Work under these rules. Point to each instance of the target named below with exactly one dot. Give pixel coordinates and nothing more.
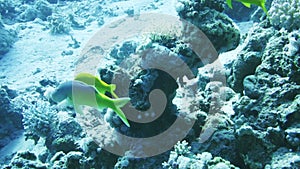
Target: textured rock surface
(58, 128)
(183, 157)
(7, 39)
(283, 158)
(250, 57)
(208, 17)
(38, 119)
(40, 9)
(10, 116)
(59, 24)
(7, 10)
(266, 120)
(25, 159)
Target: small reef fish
(247, 3)
(99, 84)
(78, 93)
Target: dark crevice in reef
(163, 82)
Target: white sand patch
(37, 54)
(18, 144)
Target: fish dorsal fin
(95, 81)
(264, 8)
(229, 3)
(248, 5)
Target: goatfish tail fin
(229, 3)
(120, 102)
(248, 5)
(122, 116)
(112, 89)
(262, 5)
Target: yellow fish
(247, 3)
(78, 93)
(99, 84)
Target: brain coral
(285, 14)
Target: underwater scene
(149, 84)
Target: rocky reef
(244, 114)
(183, 157)
(7, 39)
(264, 74)
(208, 17)
(10, 116)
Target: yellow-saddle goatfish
(248, 3)
(78, 93)
(99, 84)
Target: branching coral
(38, 120)
(285, 14)
(182, 157)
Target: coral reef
(182, 157)
(150, 162)
(10, 116)
(38, 119)
(25, 159)
(143, 82)
(6, 6)
(7, 39)
(180, 46)
(250, 57)
(210, 107)
(253, 123)
(285, 14)
(266, 119)
(283, 158)
(157, 63)
(59, 24)
(8, 10)
(67, 146)
(64, 135)
(123, 51)
(293, 46)
(208, 17)
(40, 9)
(59, 129)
